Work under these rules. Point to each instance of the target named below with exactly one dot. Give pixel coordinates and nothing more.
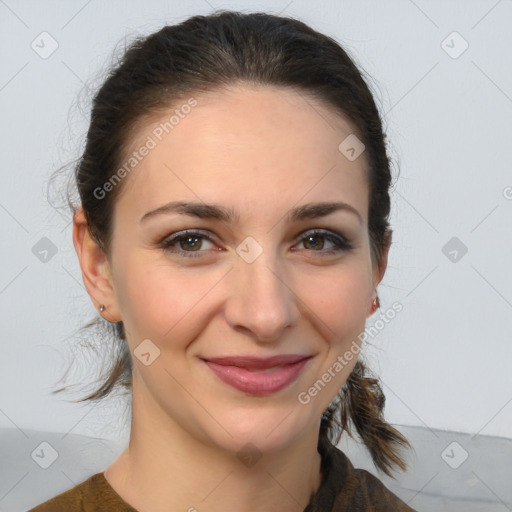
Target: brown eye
(316, 244)
(188, 242)
(314, 241)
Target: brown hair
(204, 53)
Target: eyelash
(340, 242)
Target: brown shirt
(342, 489)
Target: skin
(261, 151)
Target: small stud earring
(102, 308)
(375, 305)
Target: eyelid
(320, 231)
(340, 241)
(178, 235)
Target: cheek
(339, 300)
(159, 302)
(340, 303)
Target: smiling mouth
(258, 377)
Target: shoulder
(365, 491)
(92, 494)
(346, 488)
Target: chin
(262, 431)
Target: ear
(96, 272)
(379, 268)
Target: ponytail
(360, 403)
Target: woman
(233, 227)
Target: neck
(165, 468)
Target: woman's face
(259, 284)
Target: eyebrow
(228, 215)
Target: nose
(261, 300)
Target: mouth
(258, 376)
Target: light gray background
(445, 359)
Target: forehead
(247, 147)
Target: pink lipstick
(258, 376)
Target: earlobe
(375, 305)
(95, 268)
(379, 270)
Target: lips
(258, 363)
(258, 376)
